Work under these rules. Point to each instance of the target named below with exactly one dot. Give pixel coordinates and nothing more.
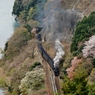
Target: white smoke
(59, 53)
(59, 22)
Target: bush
(35, 65)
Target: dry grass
(68, 4)
(49, 48)
(81, 6)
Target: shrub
(35, 65)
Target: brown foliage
(17, 41)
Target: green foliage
(93, 62)
(84, 30)
(77, 86)
(32, 13)
(68, 86)
(75, 53)
(78, 52)
(28, 27)
(67, 62)
(35, 65)
(56, 94)
(92, 76)
(17, 7)
(26, 10)
(87, 66)
(91, 89)
(23, 16)
(21, 5)
(2, 82)
(14, 92)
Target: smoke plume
(59, 22)
(59, 53)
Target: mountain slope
(59, 20)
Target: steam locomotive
(46, 56)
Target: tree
(77, 86)
(89, 48)
(74, 64)
(91, 89)
(17, 41)
(33, 81)
(84, 30)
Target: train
(46, 57)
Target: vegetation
(33, 81)
(91, 89)
(16, 42)
(84, 30)
(78, 85)
(19, 66)
(82, 80)
(19, 50)
(82, 76)
(26, 10)
(35, 65)
(2, 82)
(21, 5)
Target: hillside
(71, 21)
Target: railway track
(51, 79)
(52, 83)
